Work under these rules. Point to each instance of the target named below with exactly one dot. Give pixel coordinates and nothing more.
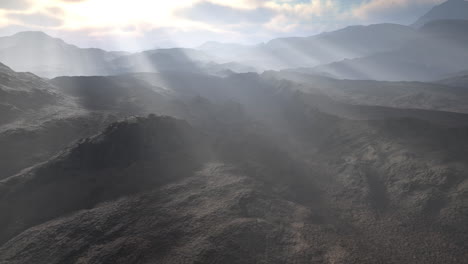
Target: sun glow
(123, 14)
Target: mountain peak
(32, 34)
(37, 36)
(5, 69)
(451, 9)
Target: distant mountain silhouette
(451, 9)
(50, 57)
(459, 80)
(43, 55)
(456, 31)
(350, 42)
(175, 59)
(439, 50)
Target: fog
(347, 146)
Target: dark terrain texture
(258, 174)
(159, 190)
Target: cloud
(35, 19)
(214, 13)
(241, 4)
(281, 24)
(192, 20)
(278, 16)
(304, 10)
(403, 11)
(14, 4)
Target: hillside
(347, 43)
(45, 56)
(93, 102)
(440, 96)
(37, 119)
(21, 93)
(142, 188)
(440, 50)
(451, 9)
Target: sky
(144, 24)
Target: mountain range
(348, 147)
(440, 50)
(433, 48)
(257, 173)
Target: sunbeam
(233, 131)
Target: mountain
(88, 104)
(350, 42)
(353, 153)
(176, 59)
(23, 92)
(460, 80)
(160, 146)
(50, 57)
(157, 189)
(452, 29)
(440, 50)
(440, 96)
(451, 9)
(119, 94)
(43, 55)
(223, 49)
(250, 169)
(145, 93)
(38, 119)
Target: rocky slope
(104, 168)
(263, 170)
(82, 106)
(23, 92)
(159, 190)
(38, 119)
(444, 95)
